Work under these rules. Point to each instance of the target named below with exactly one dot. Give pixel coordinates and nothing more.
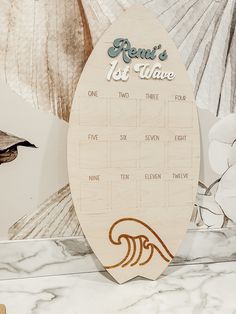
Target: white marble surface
(24, 259)
(189, 289)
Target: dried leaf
(43, 48)
(54, 218)
(8, 146)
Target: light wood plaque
(2, 309)
(133, 148)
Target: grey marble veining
(194, 289)
(33, 258)
(23, 259)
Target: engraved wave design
(139, 248)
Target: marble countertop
(190, 289)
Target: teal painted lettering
(123, 46)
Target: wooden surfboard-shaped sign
(133, 148)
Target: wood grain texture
(54, 218)
(204, 32)
(9, 146)
(44, 45)
(133, 156)
(2, 309)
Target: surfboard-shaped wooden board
(133, 148)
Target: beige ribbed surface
(54, 218)
(42, 51)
